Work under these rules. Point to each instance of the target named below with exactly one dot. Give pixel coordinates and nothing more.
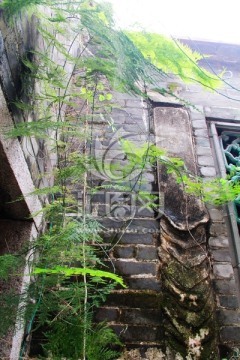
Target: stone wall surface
(212, 241)
(225, 279)
(131, 231)
(224, 107)
(185, 267)
(22, 160)
(21, 41)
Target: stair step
(143, 283)
(138, 334)
(138, 299)
(139, 252)
(125, 210)
(128, 237)
(132, 267)
(136, 226)
(116, 316)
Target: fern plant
(14, 7)
(173, 57)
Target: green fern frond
(8, 265)
(173, 57)
(80, 271)
(14, 7)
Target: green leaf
(8, 263)
(101, 97)
(108, 96)
(100, 87)
(172, 56)
(80, 271)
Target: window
(225, 137)
(230, 145)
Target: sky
(214, 20)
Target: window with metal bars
(230, 145)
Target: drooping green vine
(173, 57)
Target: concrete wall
(23, 161)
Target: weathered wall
(222, 105)
(195, 247)
(19, 41)
(22, 161)
(186, 269)
(131, 231)
(172, 262)
(220, 243)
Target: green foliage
(10, 271)
(115, 55)
(69, 280)
(98, 346)
(99, 343)
(13, 7)
(173, 57)
(8, 265)
(68, 323)
(70, 284)
(8, 308)
(217, 191)
(66, 271)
